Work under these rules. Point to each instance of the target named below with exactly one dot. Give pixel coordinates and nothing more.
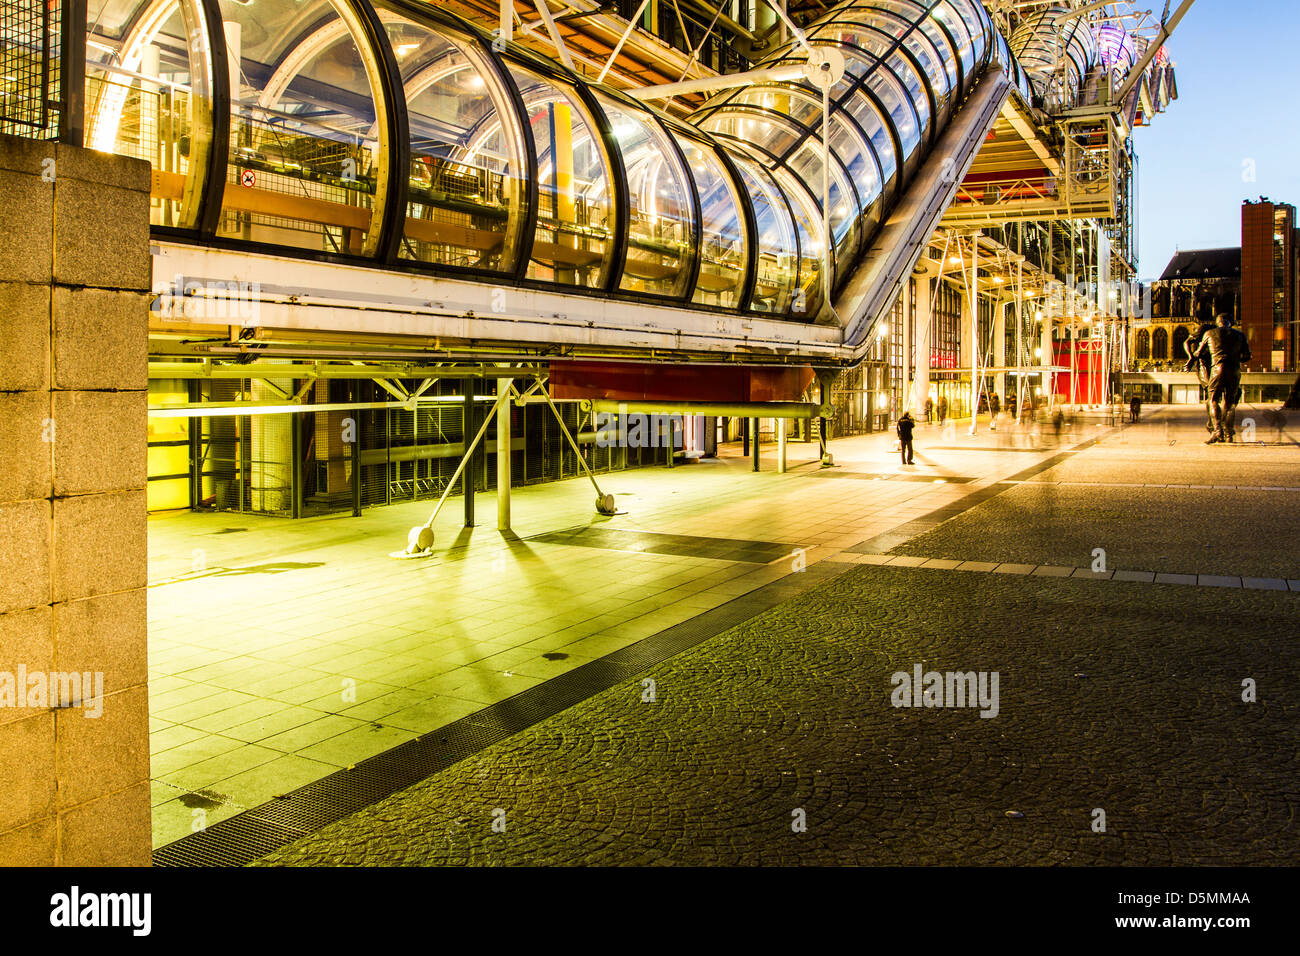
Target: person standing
(943, 409)
(1135, 408)
(904, 428)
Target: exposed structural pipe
(1166, 30)
(419, 540)
(604, 503)
(618, 47)
(726, 81)
(554, 34)
(785, 410)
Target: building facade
(1269, 305)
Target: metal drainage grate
(254, 833)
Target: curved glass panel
(960, 34)
(724, 255)
(933, 63)
(777, 248)
(575, 216)
(661, 221)
(769, 130)
(877, 128)
(900, 66)
(783, 100)
(807, 165)
(806, 161)
(911, 12)
(307, 143)
(467, 186)
(860, 163)
(807, 301)
(149, 95)
(976, 17)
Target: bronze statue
(1202, 365)
(1227, 349)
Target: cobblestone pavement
(1121, 697)
(1164, 523)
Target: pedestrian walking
(1135, 408)
(904, 429)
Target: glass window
(776, 248)
(575, 215)
(911, 12)
(900, 68)
(807, 164)
(149, 95)
(724, 255)
(807, 219)
(307, 143)
(859, 162)
(959, 34)
(877, 128)
(976, 19)
(467, 188)
(661, 232)
(768, 130)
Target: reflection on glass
(777, 248)
(661, 233)
(306, 144)
(876, 128)
(575, 212)
(767, 130)
(807, 164)
(807, 219)
(940, 47)
(723, 255)
(149, 95)
(960, 34)
(900, 68)
(466, 190)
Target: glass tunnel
(393, 132)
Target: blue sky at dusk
(1239, 99)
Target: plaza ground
(283, 651)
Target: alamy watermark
(638, 430)
(43, 690)
(950, 689)
(224, 300)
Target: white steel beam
(301, 295)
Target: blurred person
(904, 429)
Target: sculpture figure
(1202, 365)
(1227, 349)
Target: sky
(1237, 112)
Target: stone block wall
(74, 281)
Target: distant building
(1270, 307)
(1256, 285)
(1195, 287)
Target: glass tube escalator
(395, 133)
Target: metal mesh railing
(29, 67)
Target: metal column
(780, 445)
(753, 445)
(467, 477)
(295, 473)
(356, 466)
(503, 458)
